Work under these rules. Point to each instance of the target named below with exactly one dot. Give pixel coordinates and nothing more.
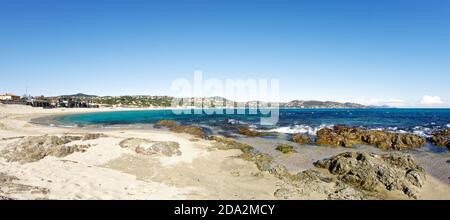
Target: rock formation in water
(175, 127)
(441, 138)
(252, 133)
(347, 137)
(301, 139)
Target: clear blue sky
(370, 51)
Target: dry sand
(107, 171)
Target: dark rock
(251, 133)
(372, 172)
(301, 139)
(348, 137)
(441, 138)
(229, 143)
(175, 127)
(189, 129)
(286, 148)
(166, 123)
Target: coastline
(108, 171)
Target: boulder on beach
(301, 139)
(286, 148)
(348, 137)
(34, 148)
(149, 147)
(373, 172)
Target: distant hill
(166, 101)
(380, 106)
(79, 95)
(320, 104)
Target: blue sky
(367, 51)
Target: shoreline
(200, 172)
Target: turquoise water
(418, 121)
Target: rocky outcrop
(225, 143)
(252, 133)
(34, 148)
(347, 137)
(175, 127)
(441, 138)
(301, 139)
(10, 186)
(286, 148)
(166, 123)
(149, 147)
(372, 172)
(92, 136)
(353, 175)
(263, 161)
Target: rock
(94, 136)
(372, 172)
(5, 198)
(34, 148)
(189, 129)
(228, 143)
(251, 133)
(175, 127)
(339, 136)
(166, 123)
(149, 147)
(286, 148)
(194, 139)
(441, 138)
(9, 186)
(168, 148)
(348, 137)
(343, 191)
(301, 139)
(263, 161)
(284, 193)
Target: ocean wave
(448, 125)
(234, 122)
(68, 126)
(302, 129)
(422, 131)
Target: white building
(9, 97)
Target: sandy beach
(105, 169)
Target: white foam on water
(448, 125)
(422, 131)
(302, 129)
(234, 122)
